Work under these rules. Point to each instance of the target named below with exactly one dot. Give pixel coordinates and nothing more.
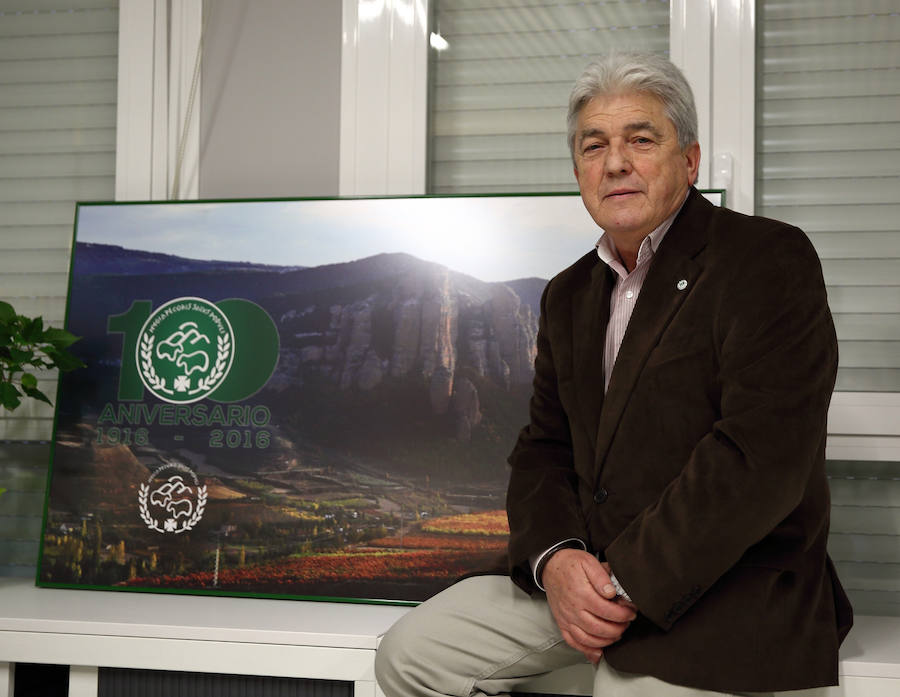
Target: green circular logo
(185, 350)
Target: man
(668, 504)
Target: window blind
(57, 146)
(58, 67)
(828, 160)
(864, 540)
(498, 92)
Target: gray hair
(624, 72)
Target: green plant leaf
(36, 394)
(64, 360)
(26, 345)
(32, 329)
(20, 356)
(10, 397)
(60, 338)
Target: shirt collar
(606, 250)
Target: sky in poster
(490, 238)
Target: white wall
(270, 98)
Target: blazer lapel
(590, 315)
(669, 282)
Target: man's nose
(618, 159)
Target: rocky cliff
(394, 317)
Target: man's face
(630, 169)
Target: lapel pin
(681, 285)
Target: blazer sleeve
(542, 500)
(777, 360)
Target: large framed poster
(297, 398)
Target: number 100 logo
(189, 349)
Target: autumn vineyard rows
(442, 550)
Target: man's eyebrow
(591, 133)
(629, 128)
(643, 126)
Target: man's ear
(575, 169)
(692, 159)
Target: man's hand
(584, 603)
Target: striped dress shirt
(626, 290)
(624, 296)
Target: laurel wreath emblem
(206, 384)
(153, 524)
(155, 382)
(223, 346)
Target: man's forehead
(626, 96)
(629, 111)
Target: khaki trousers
(485, 636)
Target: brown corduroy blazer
(699, 475)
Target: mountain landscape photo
(377, 470)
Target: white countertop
(871, 650)
(25, 607)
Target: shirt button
(629, 294)
(601, 495)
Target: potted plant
(27, 346)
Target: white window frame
(384, 97)
(158, 45)
(384, 125)
(861, 425)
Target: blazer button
(601, 495)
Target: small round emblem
(185, 350)
(172, 499)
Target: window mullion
(157, 54)
(732, 155)
(690, 48)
